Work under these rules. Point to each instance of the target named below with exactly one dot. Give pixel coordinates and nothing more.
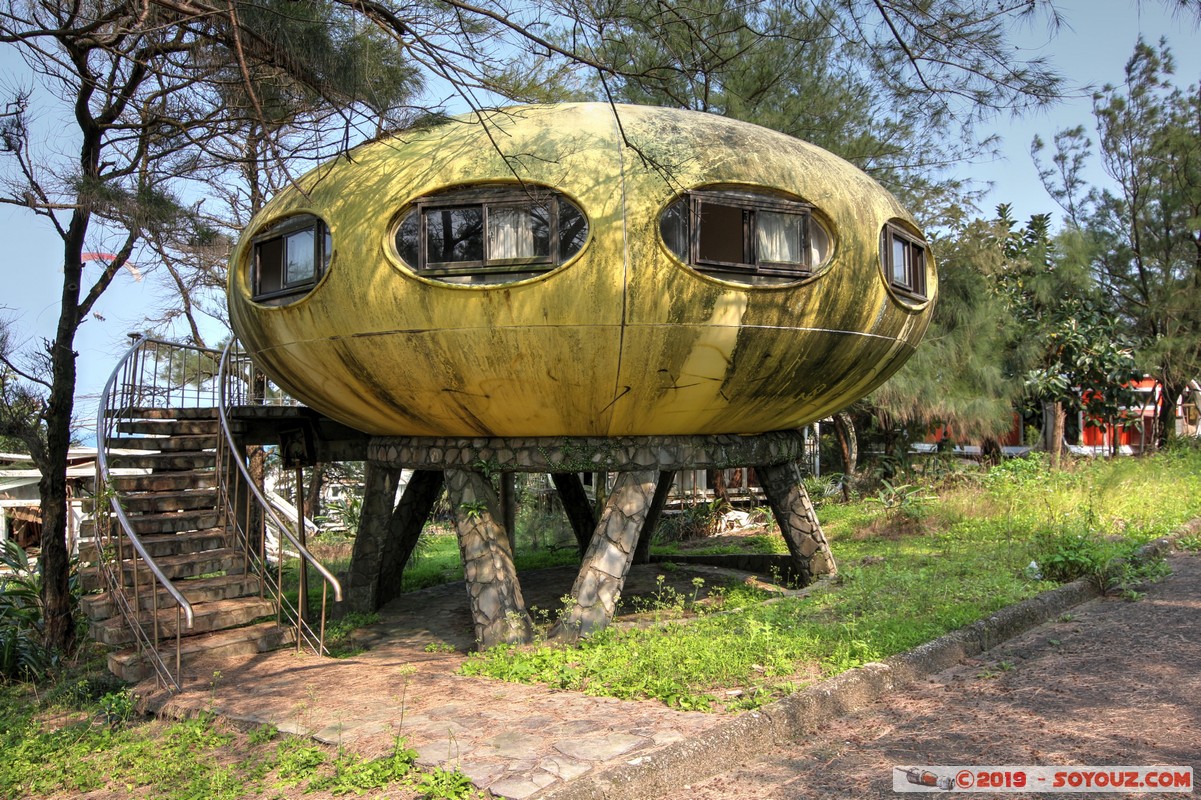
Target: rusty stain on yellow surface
(622, 339)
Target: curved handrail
(103, 472)
(253, 486)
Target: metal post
(302, 600)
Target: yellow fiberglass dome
(582, 269)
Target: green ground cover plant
(83, 737)
(973, 545)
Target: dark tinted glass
(454, 234)
(673, 225)
(722, 234)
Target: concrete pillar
(404, 529)
(579, 509)
(361, 591)
(603, 572)
(642, 554)
(794, 512)
(508, 507)
(496, 603)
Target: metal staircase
(182, 568)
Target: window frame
(487, 198)
(752, 263)
(914, 286)
(279, 232)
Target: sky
(1090, 49)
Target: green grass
(62, 744)
(904, 579)
(438, 561)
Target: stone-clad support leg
(379, 494)
(496, 603)
(577, 505)
(642, 555)
(797, 519)
(404, 529)
(603, 572)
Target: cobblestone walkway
(512, 739)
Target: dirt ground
(1114, 682)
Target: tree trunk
(848, 445)
(312, 497)
(1053, 422)
(1167, 413)
(55, 560)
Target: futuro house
(582, 269)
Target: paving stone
(512, 744)
(516, 788)
(439, 751)
(600, 749)
(563, 768)
(332, 734)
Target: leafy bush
(1019, 473)
(444, 784)
(903, 500)
(23, 654)
(693, 522)
(1109, 562)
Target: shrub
(23, 654)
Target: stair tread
(183, 477)
(186, 586)
(148, 412)
(188, 513)
(258, 606)
(102, 605)
(203, 643)
(170, 561)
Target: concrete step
(130, 665)
(165, 444)
(197, 590)
(167, 481)
(188, 565)
(146, 412)
(163, 462)
(177, 544)
(166, 501)
(175, 521)
(169, 427)
(206, 617)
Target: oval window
(903, 259)
(289, 259)
(490, 235)
(745, 237)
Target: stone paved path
(512, 739)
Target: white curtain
(778, 238)
(510, 233)
(819, 244)
(298, 264)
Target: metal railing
(152, 375)
(248, 512)
(155, 375)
